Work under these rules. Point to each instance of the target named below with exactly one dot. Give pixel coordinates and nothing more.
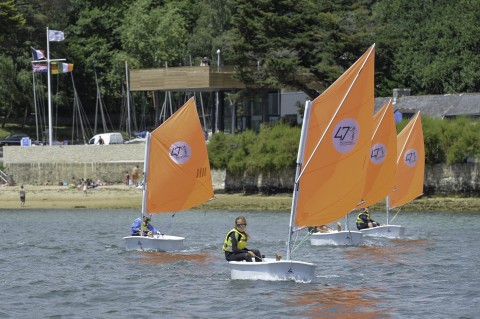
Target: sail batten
(337, 145)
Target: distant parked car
(12, 139)
(108, 138)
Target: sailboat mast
(98, 101)
(127, 75)
(387, 203)
(301, 151)
(50, 133)
(145, 172)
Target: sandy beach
(127, 197)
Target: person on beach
(134, 175)
(365, 221)
(142, 227)
(127, 178)
(22, 196)
(235, 244)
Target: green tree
(429, 46)
(10, 22)
(94, 44)
(211, 29)
(153, 35)
(9, 89)
(300, 44)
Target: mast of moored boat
(127, 80)
(300, 158)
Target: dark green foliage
(279, 42)
(275, 148)
(432, 134)
(461, 140)
(429, 46)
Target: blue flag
(38, 54)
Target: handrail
(3, 176)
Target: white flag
(54, 35)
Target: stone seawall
(53, 164)
(39, 165)
(440, 179)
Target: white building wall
(289, 102)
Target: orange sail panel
(382, 163)
(410, 164)
(178, 169)
(340, 129)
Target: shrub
(275, 147)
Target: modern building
(226, 111)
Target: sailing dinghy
(334, 144)
(177, 174)
(409, 177)
(381, 169)
(345, 237)
(348, 236)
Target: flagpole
(50, 131)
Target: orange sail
(337, 146)
(383, 158)
(410, 164)
(178, 171)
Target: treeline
(429, 46)
(275, 148)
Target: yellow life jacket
(241, 240)
(143, 226)
(359, 220)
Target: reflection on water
(392, 253)
(161, 258)
(339, 303)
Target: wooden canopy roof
(188, 78)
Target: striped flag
(40, 67)
(38, 54)
(59, 67)
(56, 36)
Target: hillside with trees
(429, 46)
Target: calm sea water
(73, 264)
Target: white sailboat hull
(386, 231)
(155, 243)
(341, 238)
(272, 270)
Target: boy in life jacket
(235, 244)
(142, 227)
(364, 221)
